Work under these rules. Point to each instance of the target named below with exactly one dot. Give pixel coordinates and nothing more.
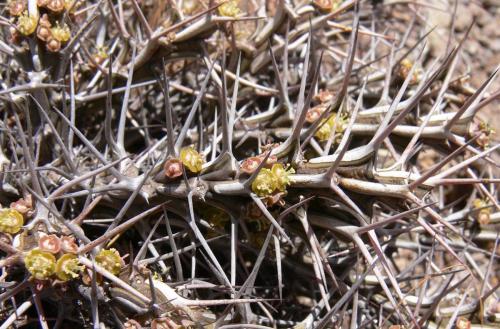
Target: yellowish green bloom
(265, 183)
(26, 24)
(61, 33)
(282, 176)
(229, 8)
(191, 159)
(110, 260)
(11, 221)
(40, 264)
(326, 127)
(67, 267)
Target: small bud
(326, 5)
(173, 168)
(110, 260)
(40, 264)
(61, 33)
(323, 96)
(16, 7)
(11, 221)
(404, 70)
(229, 8)
(53, 45)
(26, 24)
(99, 56)
(163, 323)
(56, 6)
(24, 205)
(67, 267)
(484, 217)
(15, 37)
(49, 243)
(463, 323)
(190, 6)
(314, 113)
(265, 183)
(69, 5)
(191, 159)
(249, 165)
(43, 33)
(42, 3)
(69, 245)
(132, 324)
(326, 127)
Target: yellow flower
(191, 159)
(11, 221)
(265, 183)
(40, 264)
(484, 214)
(282, 176)
(110, 260)
(27, 24)
(67, 267)
(61, 33)
(326, 127)
(229, 8)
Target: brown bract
(323, 96)
(314, 113)
(163, 323)
(173, 168)
(69, 245)
(53, 45)
(56, 5)
(50, 243)
(16, 8)
(24, 205)
(249, 165)
(132, 324)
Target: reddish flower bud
(249, 165)
(132, 324)
(173, 168)
(56, 5)
(50, 243)
(23, 206)
(53, 45)
(69, 245)
(16, 7)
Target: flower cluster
(42, 264)
(272, 180)
(48, 26)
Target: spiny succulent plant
(340, 168)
